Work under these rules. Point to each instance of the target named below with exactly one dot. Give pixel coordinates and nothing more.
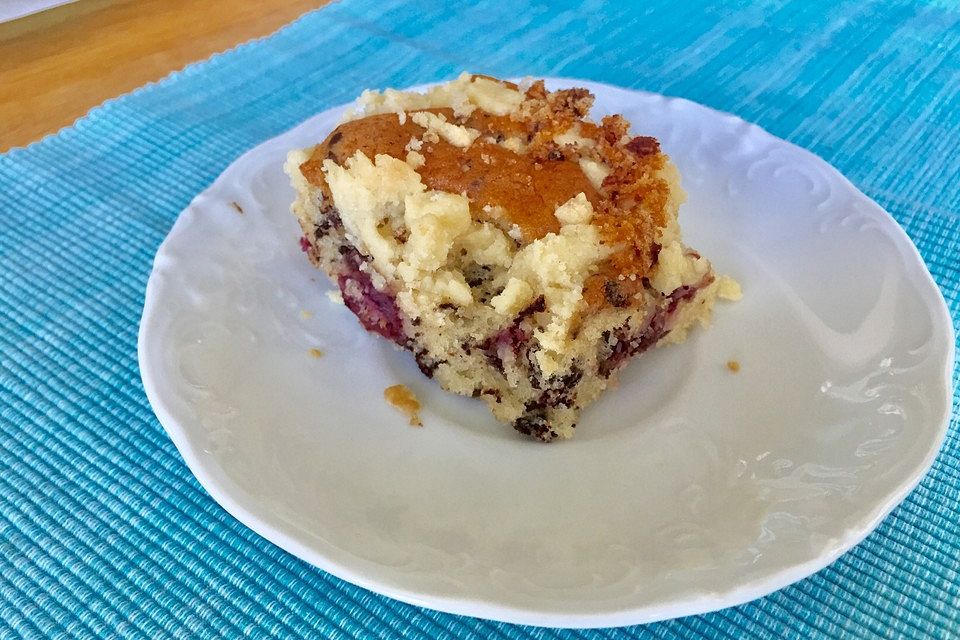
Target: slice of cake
(520, 251)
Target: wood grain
(56, 65)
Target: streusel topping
(520, 164)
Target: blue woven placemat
(104, 532)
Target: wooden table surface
(56, 65)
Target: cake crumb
(400, 396)
(415, 159)
(729, 289)
(306, 315)
(733, 366)
(237, 207)
(335, 296)
(314, 352)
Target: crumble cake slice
(522, 252)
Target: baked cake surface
(520, 251)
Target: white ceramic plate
(686, 489)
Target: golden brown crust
(372, 135)
(546, 114)
(635, 207)
(528, 190)
(630, 208)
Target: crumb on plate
(314, 352)
(733, 366)
(400, 396)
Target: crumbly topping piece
(576, 210)
(553, 111)
(464, 95)
(406, 230)
(428, 291)
(366, 193)
(677, 268)
(596, 172)
(415, 159)
(434, 220)
(488, 246)
(516, 295)
(458, 136)
(643, 195)
(556, 267)
(491, 95)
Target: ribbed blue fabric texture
(104, 532)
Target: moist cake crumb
(520, 251)
(400, 396)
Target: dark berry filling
(558, 391)
(377, 310)
(623, 343)
(426, 363)
(535, 424)
(329, 221)
(512, 340)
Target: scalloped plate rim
(504, 612)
